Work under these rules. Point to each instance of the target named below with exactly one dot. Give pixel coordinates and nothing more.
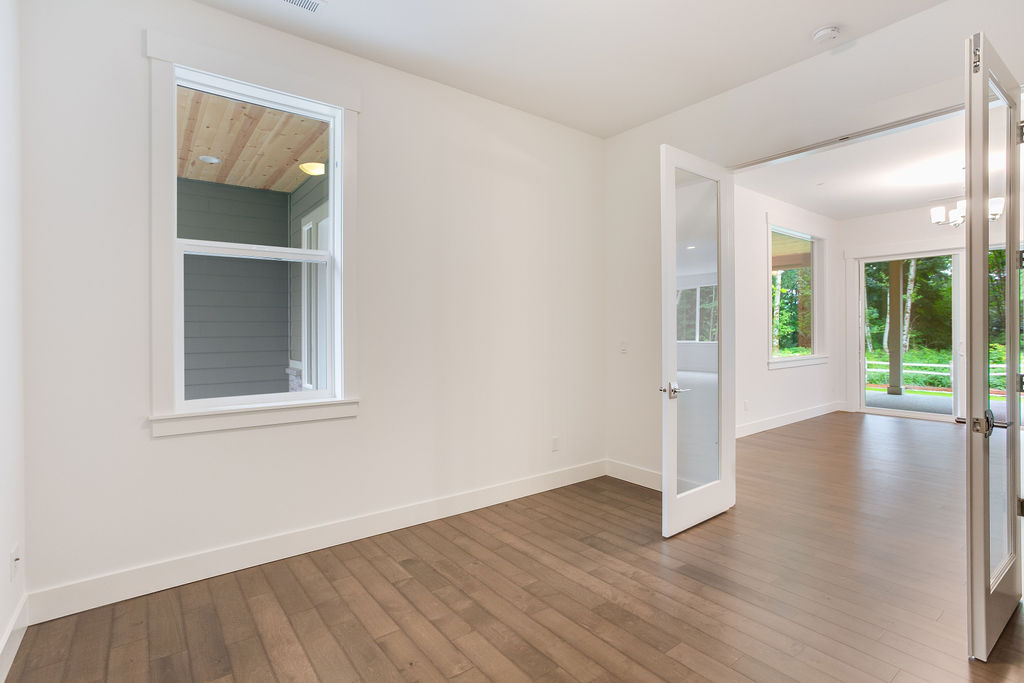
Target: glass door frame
(993, 592)
(683, 510)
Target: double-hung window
(256, 254)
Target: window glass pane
(237, 326)
(686, 314)
(698, 450)
(239, 175)
(792, 280)
(709, 313)
(1001, 470)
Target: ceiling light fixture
(958, 216)
(206, 158)
(312, 167)
(825, 34)
(691, 247)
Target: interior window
(256, 236)
(792, 294)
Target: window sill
(797, 361)
(252, 416)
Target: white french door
(993, 314)
(698, 341)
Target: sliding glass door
(910, 340)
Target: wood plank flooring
(842, 561)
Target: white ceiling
(904, 169)
(601, 66)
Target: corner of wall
(12, 635)
(12, 401)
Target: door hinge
(976, 63)
(1020, 260)
(1020, 507)
(1020, 133)
(1020, 384)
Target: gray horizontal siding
(236, 327)
(234, 389)
(226, 213)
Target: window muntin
(697, 314)
(791, 288)
(249, 276)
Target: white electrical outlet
(555, 444)
(15, 561)
(746, 405)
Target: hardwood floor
(842, 561)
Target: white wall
(767, 398)
(900, 234)
(480, 304)
(12, 462)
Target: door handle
(995, 423)
(672, 390)
(984, 425)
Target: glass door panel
(696, 268)
(993, 337)
(698, 455)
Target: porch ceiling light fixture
(957, 216)
(312, 167)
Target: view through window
(697, 314)
(792, 294)
(255, 233)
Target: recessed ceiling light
(312, 167)
(691, 247)
(825, 34)
(209, 159)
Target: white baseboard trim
(58, 601)
(11, 637)
(787, 418)
(634, 474)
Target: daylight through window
(792, 294)
(697, 314)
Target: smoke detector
(308, 5)
(825, 34)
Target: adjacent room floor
(842, 561)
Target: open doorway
(899, 208)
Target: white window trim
(818, 355)
(316, 216)
(782, 362)
(170, 413)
